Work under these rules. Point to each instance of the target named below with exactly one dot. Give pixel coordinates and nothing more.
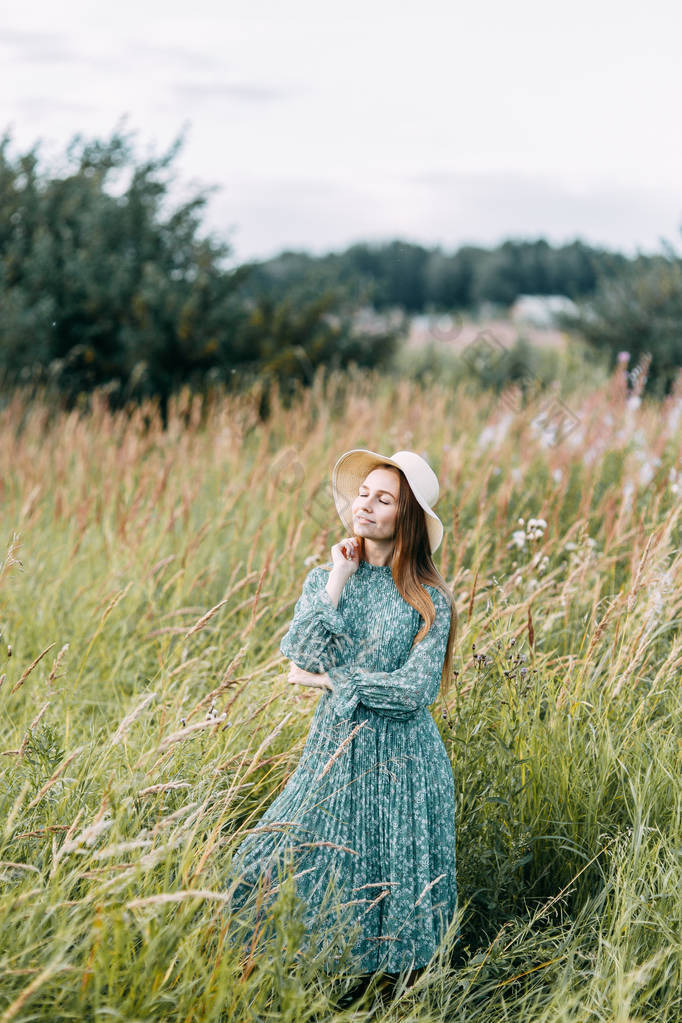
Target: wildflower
(535, 528)
(518, 538)
(623, 357)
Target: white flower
(535, 528)
(557, 475)
(518, 538)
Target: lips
(361, 518)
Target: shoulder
(318, 575)
(440, 602)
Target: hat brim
(349, 472)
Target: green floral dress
(370, 809)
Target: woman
(369, 812)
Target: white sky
(438, 123)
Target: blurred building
(541, 310)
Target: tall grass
(147, 578)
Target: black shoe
(357, 991)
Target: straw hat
(352, 467)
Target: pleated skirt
(367, 820)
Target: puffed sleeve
(317, 638)
(401, 693)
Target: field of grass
(146, 579)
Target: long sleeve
(400, 693)
(317, 638)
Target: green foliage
(491, 369)
(104, 288)
(639, 311)
(412, 277)
(103, 283)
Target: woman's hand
(299, 676)
(346, 556)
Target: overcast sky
(323, 125)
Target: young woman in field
(369, 811)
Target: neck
(378, 554)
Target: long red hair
(413, 567)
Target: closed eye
(383, 502)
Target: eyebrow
(378, 491)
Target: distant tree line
(421, 280)
(104, 284)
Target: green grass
(156, 571)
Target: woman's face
(377, 502)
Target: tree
(103, 283)
(104, 288)
(638, 310)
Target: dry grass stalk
(263, 574)
(128, 720)
(339, 750)
(56, 775)
(19, 866)
(189, 730)
(30, 668)
(87, 835)
(30, 728)
(632, 596)
(373, 903)
(207, 617)
(327, 845)
(121, 847)
(19, 1002)
(428, 887)
(10, 558)
(601, 625)
(172, 818)
(190, 893)
(255, 761)
(56, 663)
(43, 831)
(164, 787)
(226, 682)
